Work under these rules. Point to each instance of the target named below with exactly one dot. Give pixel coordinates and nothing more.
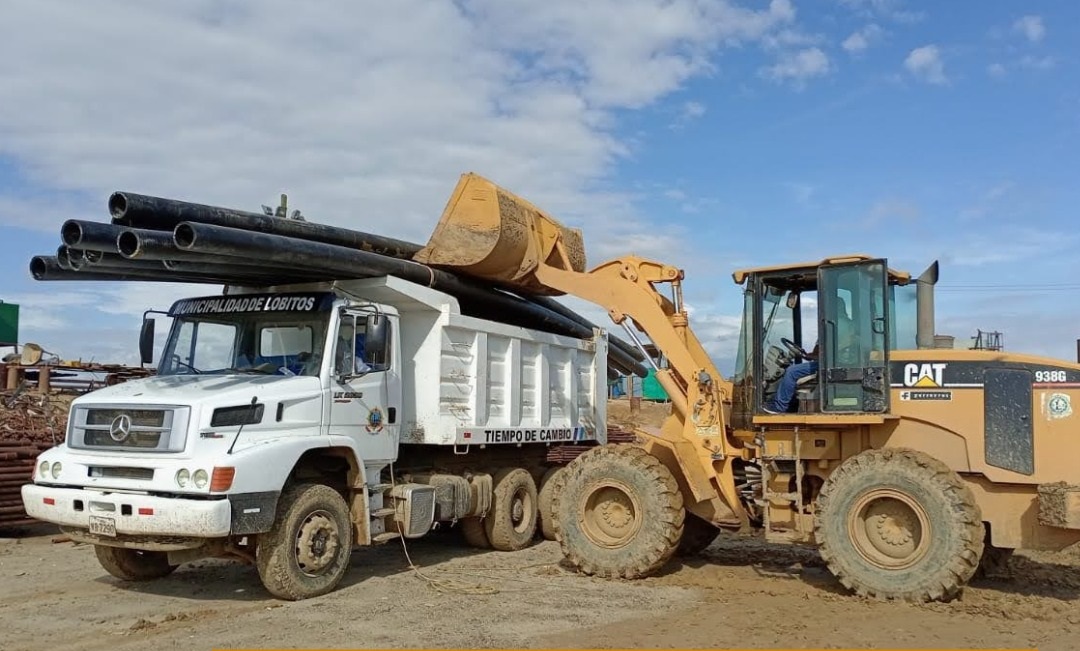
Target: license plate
(102, 526)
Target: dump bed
(470, 381)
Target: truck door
(853, 333)
(363, 402)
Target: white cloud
(925, 63)
(365, 113)
(1037, 63)
(799, 67)
(1031, 27)
(861, 39)
(888, 9)
(996, 70)
(688, 112)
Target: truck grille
(147, 429)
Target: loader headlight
(201, 477)
(44, 468)
(55, 470)
(183, 477)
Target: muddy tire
(696, 537)
(308, 550)
(134, 564)
(511, 522)
(897, 524)
(620, 513)
(549, 485)
(472, 530)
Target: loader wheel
(307, 551)
(511, 522)
(899, 524)
(549, 485)
(697, 535)
(620, 512)
(472, 528)
(134, 564)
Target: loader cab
(848, 307)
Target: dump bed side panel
(480, 382)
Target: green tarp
(9, 324)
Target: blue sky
(711, 135)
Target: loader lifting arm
(490, 233)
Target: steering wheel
(794, 348)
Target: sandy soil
(741, 594)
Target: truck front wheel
(620, 512)
(134, 564)
(308, 550)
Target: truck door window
(352, 356)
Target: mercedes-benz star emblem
(120, 428)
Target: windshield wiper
(248, 369)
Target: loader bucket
(488, 232)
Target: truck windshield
(269, 344)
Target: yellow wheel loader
(910, 467)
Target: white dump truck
(285, 428)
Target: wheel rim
(317, 543)
(889, 529)
(610, 514)
(521, 510)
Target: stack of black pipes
(165, 240)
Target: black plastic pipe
(44, 267)
(143, 211)
(142, 244)
(89, 236)
(347, 262)
(157, 213)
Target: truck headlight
(182, 477)
(55, 470)
(44, 468)
(200, 477)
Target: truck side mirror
(376, 338)
(146, 341)
(792, 300)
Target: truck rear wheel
(134, 564)
(511, 522)
(308, 550)
(899, 524)
(475, 535)
(697, 535)
(620, 512)
(549, 485)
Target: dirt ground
(741, 593)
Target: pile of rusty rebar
(16, 468)
(30, 423)
(564, 454)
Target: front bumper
(1059, 505)
(119, 517)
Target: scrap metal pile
(165, 240)
(30, 423)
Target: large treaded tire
(901, 491)
(549, 485)
(696, 537)
(511, 522)
(319, 514)
(474, 533)
(134, 564)
(620, 513)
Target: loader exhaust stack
(924, 304)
